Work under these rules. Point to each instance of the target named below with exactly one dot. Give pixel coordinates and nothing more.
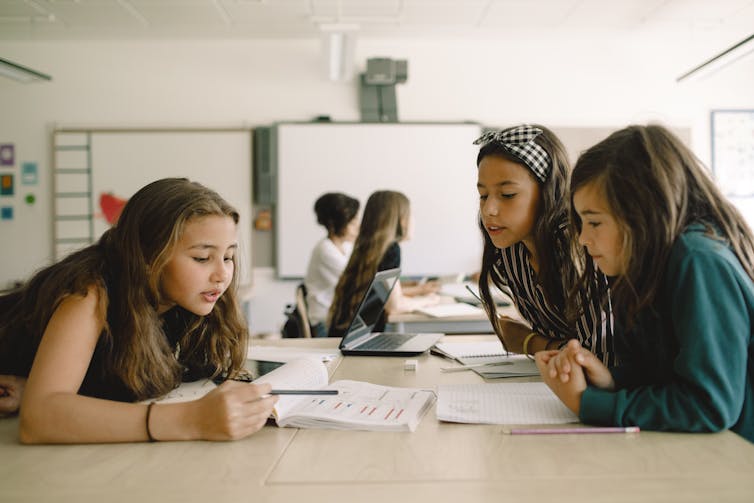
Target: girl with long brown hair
(681, 262)
(127, 319)
(386, 222)
(523, 214)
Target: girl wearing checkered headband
(523, 213)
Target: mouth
(494, 229)
(211, 295)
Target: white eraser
(410, 364)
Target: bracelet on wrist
(526, 345)
(149, 413)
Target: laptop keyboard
(386, 341)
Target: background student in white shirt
(336, 212)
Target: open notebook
(357, 406)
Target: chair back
(302, 307)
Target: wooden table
(439, 462)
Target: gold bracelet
(526, 343)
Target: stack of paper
(512, 403)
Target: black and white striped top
(594, 328)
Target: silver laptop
(359, 338)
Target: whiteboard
(123, 161)
(733, 151)
(433, 164)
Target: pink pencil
(567, 431)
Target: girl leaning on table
(681, 262)
(127, 319)
(523, 209)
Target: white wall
(606, 82)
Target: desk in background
(457, 325)
(438, 463)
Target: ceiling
(199, 19)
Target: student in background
(151, 304)
(385, 223)
(523, 209)
(681, 262)
(336, 212)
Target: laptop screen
(372, 304)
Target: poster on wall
(7, 154)
(733, 151)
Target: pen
(303, 392)
(474, 294)
(473, 366)
(566, 431)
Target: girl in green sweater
(681, 262)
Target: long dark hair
(125, 267)
(556, 268)
(655, 187)
(382, 224)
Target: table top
(438, 462)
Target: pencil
(303, 392)
(567, 431)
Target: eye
(508, 196)
(228, 259)
(594, 224)
(482, 197)
(201, 260)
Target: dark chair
(297, 323)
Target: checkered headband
(519, 141)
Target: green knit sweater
(687, 364)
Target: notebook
(487, 358)
(357, 406)
(513, 403)
(359, 338)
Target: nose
(220, 272)
(583, 240)
(490, 207)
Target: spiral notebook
(488, 359)
(458, 350)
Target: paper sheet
(304, 373)
(288, 353)
(508, 403)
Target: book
(509, 403)
(357, 406)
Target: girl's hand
(11, 389)
(559, 366)
(234, 410)
(569, 391)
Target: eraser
(410, 364)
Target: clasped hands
(568, 372)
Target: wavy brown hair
(383, 223)
(125, 267)
(655, 188)
(556, 268)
